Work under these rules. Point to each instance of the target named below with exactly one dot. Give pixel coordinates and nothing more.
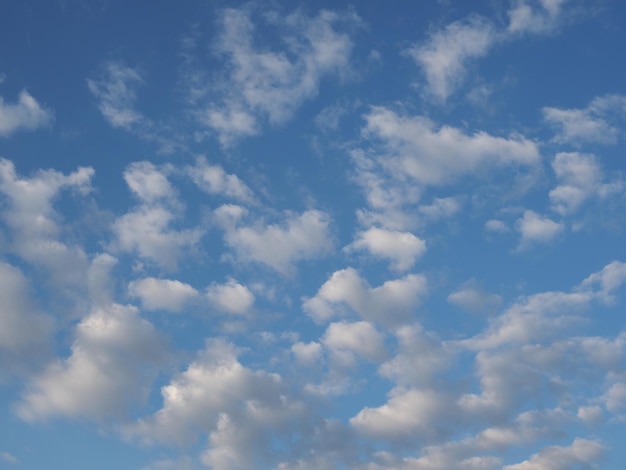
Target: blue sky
(312, 236)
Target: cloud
(343, 339)
(35, 232)
(25, 331)
(597, 123)
(25, 115)
(390, 304)
(444, 56)
(307, 353)
(9, 458)
(415, 147)
(230, 297)
(299, 237)
(264, 85)
(475, 300)
(582, 452)
(534, 228)
(215, 181)
(162, 294)
(401, 248)
(115, 356)
(116, 93)
(243, 411)
(579, 176)
(536, 16)
(147, 229)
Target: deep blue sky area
(317, 235)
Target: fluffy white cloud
(362, 338)
(595, 123)
(115, 356)
(25, 332)
(390, 304)
(26, 114)
(443, 57)
(414, 146)
(147, 229)
(230, 297)
(401, 248)
(307, 353)
(534, 228)
(579, 176)
(269, 85)
(611, 277)
(35, 234)
(299, 237)
(162, 294)
(418, 413)
(475, 300)
(581, 453)
(214, 180)
(148, 183)
(242, 410)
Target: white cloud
(243, 411)
(147, 230)
(582, 452)
(495, 225)
(413, 146)
(535, 16)
(214, 180)
(116, 93)
(25, 332)
(534, 228)
(307, 353)
(26, 114)
(595, 123)
(441, 208)
(401, 248)
(579, 176)
(475, 300)
(611, 277)
(390, 304)
(230, 297)
(269, 85)
(35, 232)
(9, 458)
(115, 356)
(162, 294)
(416, 413)
(148, 183)
(299, 237)
(444, 56)
(359, 337)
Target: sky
(312, 235)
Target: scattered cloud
(533, 228)
(230, 297)
(25, 115)
(162, 294)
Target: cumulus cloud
(390, 304)
(115, 356)
(343, 339)
(147, 229)
(472, 298)
(240, 409)
(230, 297)
(401, 248)
(35, 234)
(595, 123)
(215, 181)
(25, 331)
(299, 237)
(265, 85)
(533, 228)
(414, 146)
(307, 353)
(162, 294)
(27, 114)
(582, 452)
(444, 56)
